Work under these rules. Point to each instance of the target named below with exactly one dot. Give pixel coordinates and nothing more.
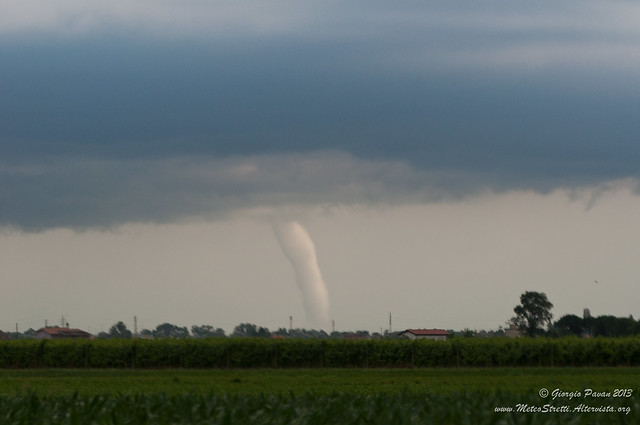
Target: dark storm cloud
(103, 193)
(467, 97)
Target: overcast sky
(444, 157)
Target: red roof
(428, 332)
(56, 332)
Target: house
(62, 333)
(434, 334)
(4, 336)
(354, 336)
(512, 331)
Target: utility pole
(290, 323)
(135, 326)
(390, 328)
(333, 326)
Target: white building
(434, 334)
(512, 331)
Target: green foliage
(167, 330)
(605, 326)
(319, 381)
(311, 353)
(206, 331)
(119, 330)
(250, 330)
(114, 353)
(65, 353)
(469, 407)
(570, 324)
(21, 353)
(533, 313)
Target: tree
(611, 326)
(466, 333)
(119, 330)
(167, 330)
(533, 313)
(304, 333)
(30, 333)
(206, 331)
(249, 329)
(146, 333)
(570, 324)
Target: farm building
(62, 333)
(4, 336)
(512, 331)
(434, 334)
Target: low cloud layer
(105, 193)
(84, 194)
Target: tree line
(533, 318)
(169, 330)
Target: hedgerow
(317, 353)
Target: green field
(240, 353)
(92, 382)
(314, 396)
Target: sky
(444, 157)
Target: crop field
(261, 381)
(91, 382)
(234, 353)
(320, 396)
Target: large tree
(533, 313)
(570, 324)
(119, 330)
(167, 330)
(206, 331)
(249, 329)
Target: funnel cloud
(301, 252)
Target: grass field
(311, 396)
(317, 381)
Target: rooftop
(64, 332)
(428, 331)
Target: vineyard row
(316, 353)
